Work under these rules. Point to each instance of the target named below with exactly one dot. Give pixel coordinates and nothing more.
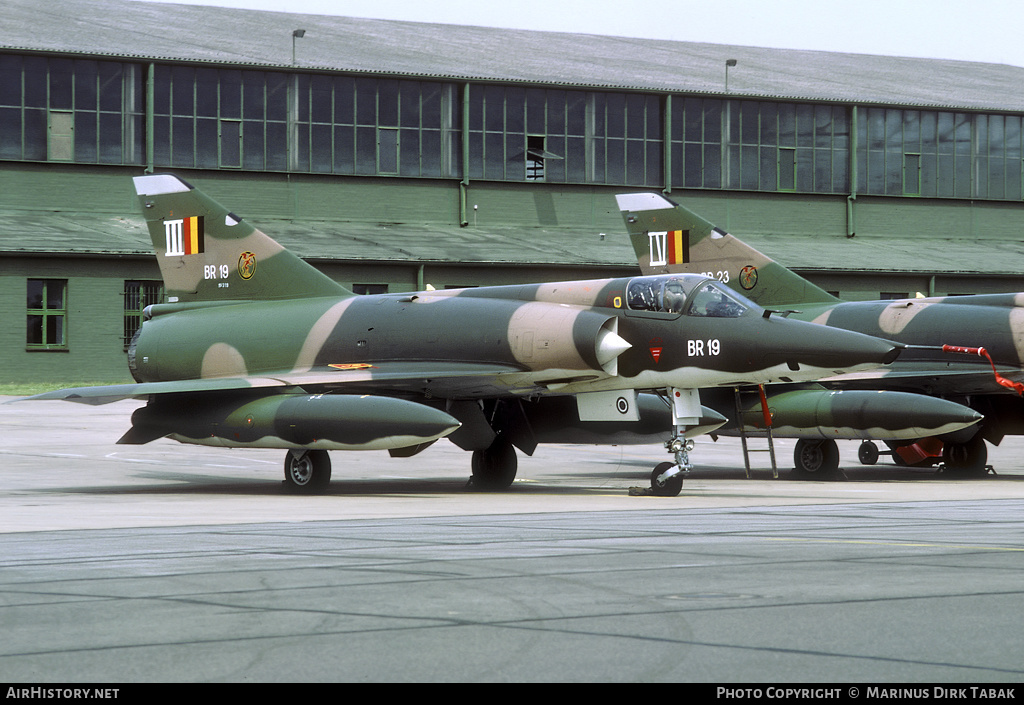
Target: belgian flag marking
(185, 236)
(679, 247)
(194, 235)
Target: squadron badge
(246, 265)
(748, 277)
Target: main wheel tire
(495, 468)
(309, 472)
(966, 459)
(816, 460)
(666, 488)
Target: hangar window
(384, 126)
(60, 145)
(369, 288)
(912, 174)
(54, 109)
(537, 157)
(624, 139)
(137, 296)
(218, 118)
(759, 145)
(377, 126)
(787, 169)
(997, 159)
(937, 154)
(387, 151)
(47, 314)
(230, 144)
(697, 143)
(561, 136)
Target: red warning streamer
(1008, 383)
(764, 407)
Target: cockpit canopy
(692, 294)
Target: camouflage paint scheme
(995, 322)
(254, 347)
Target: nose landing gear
(667, 478)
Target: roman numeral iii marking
(184, 236)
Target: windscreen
(716, 301)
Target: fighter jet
(969, 399)
(254, 347)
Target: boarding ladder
(768, 429)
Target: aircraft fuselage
(566, 337)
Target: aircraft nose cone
(833, 348)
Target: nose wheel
(667, 478)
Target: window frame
(47, 314)
(148, 291)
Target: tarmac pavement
(166, 562)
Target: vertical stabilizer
(669, 238)
(207, 253)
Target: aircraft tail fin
(206, 253)
(670, 238)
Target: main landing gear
(307, 471)
(494, 468)
(968, 459)
(965, 459)
(816, 459)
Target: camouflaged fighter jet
(256, 348)
(889, 405)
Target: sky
(981, 30)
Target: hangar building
(395, 155)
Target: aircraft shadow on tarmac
(585, 483)
(194, 485)
(883, 472)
